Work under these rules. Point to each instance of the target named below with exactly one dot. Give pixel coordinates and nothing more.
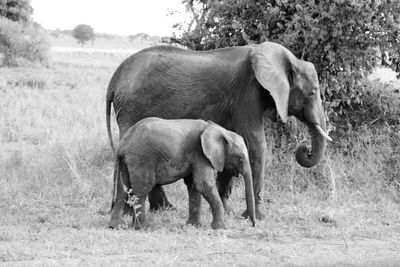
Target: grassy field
(56, 183)
(116, 45)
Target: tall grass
(52, 134)
(55, 155)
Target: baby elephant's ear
(213, 144)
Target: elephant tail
(109, 100)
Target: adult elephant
(232, 87)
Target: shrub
(23, 43)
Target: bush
(23, 43)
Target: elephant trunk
(248, 181)
(309, 159)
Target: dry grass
(55, 188)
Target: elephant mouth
(235, 172)
(322, 132)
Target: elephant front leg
(204, 181)
(194, 203)
(225, 183)
(210, 193)
(257, 154)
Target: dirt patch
(75, 236)
(127, 248)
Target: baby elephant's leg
(142, 182)
(204, 180)
(225, 183)
(194, 202)
(117, 213)
(118, 207)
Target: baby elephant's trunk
(248, 181)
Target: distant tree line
(57, 33)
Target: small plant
(133, 201)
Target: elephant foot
(116, 223)
(259, 214)
(165, 206)
(216, 225)
(195, 223)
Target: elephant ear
(213, 143)
(273, 64)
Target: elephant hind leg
(142, 183)
(158, 200)
(117, 214)
(194, 202)
(139, 214)
(119, 202)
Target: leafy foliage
(83, 33)
(22, 43)
(16, 10)
(341, 37)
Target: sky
(123, 17)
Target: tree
(16, 10)
(339, 36)
(83, 33)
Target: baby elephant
(157, 151)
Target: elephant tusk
(322, 132)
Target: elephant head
(227, 150)
(293, 84)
